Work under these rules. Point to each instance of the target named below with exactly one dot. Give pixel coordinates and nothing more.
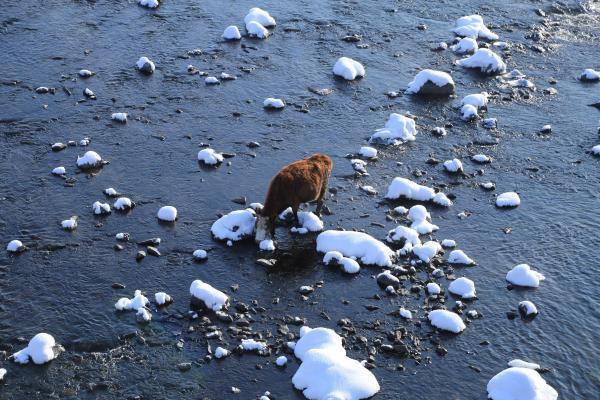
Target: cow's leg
(295, 207)
(321, 196)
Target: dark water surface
(67, 292)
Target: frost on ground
(348, 68)
(41, 349)
(446, 320)
(167, 213)
(431, 82)
(273, 103)
(397, 129)
(523, 275)
(236, 225)
(472, 26)
(358, 245)
(213, 298)
(90, 159)
(309, 222)
(518, 383)
(508, 199)
(459, 257)
(405, 188)
(232, 33)
(326, 373)
(463, 287)
(486, 60)
(209, 156)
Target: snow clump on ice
(358, 245)
(446, 320)
(405, 188)
(40, 349)
(348, 68)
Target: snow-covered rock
(404, 313)
(481, 159)
(256, 29)
(15, 246)
(213, 298)
(523, 364)
(469, 112)
(119, 117)
(211, 80)
(69, 224)
(145, 66)
(369, 189)
(123, 204)
(2, 373)
(266, 245)
(59, 171)
(522, 83)
(517, 383)
(236, 225)
(349, 265)
(508, 199)
(397, 129)
(478, 100)
(590, 75)
(430, 82)
(281, 361)
(40, 350)
(405, 188)
(459, 257)
(453, 166)
(348, 68)
(465, 45)
(261, 16)
(148, 3)
(162, 298)
(446, 320)
(101, 208)
(309, 222)
(523, 275)
(358, 245)
(486, 60)
(143, 315)
(421, 220)
(138, 301)
(489, 123)
(221, 352)
(448, 243)
(110, 192)
(427, 250)
(472, 26)
(407, 237)
(527, 309)
(273, 103)
(433, 288)
(368, 152)
(200, 254)
(463, 287)
(90, 159)
(359, 166)
(254, 345)
(596, 150)
(232, 33)
(167, 213)
(326, 373)
(209, 156)
(85, 73)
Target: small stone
(140, 255)
(153, 251)
(184, 366)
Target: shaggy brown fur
(300, 182)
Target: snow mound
(523, 275)
(40, 350)
(101, 208)
(348, 68)
(527, 309)
(200, 254)
(253, 345)
(465, 45)
(267, 245)
(85, 73)
(448, 243)
(123, 204)
(221, 352)
(481, 158)
(261, 16)
(367, 152)
(271, 102)
(486, 60)
(90, 159)
(139, 301)
(213, 299)
(209, 156)
(211, 80)
(326, 373)
(236, 225)
(472, 26)
(15, 246)
(255, 29)
(167, 213)
(433, 288)
(358, 245)
(421, 220)
(447, 321)
(406, 314)
(119, 117)
(431, 82)
(162, 298)
(397, 129)
(359, 165)
(145, 65)
(508, 199)
(453, 166)
(523, 364)
(469, 112)
(232, 33)
(69, 224)
(459, 257)
(281, 361)
(309, 222)
(517, 383)
(590, 75)
(427, 250)
(349, 265)
(59, 171)
(148, 3)
(405, 188)
(463, 287)
(478, 100)
(596, 150)
(407, 237)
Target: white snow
(369, 190)
(596, 150)
(326, 373)
(405, 188)
(349, 265)
(39, 350)
(469, 112)
(401, 210)
(522, 83)
(2, 373)
(232, 33)
(520, 384)
(200, 254)
(111, 192)
(508, 199)
(212, 298)
(418, 212)
(281, 361)
(438, 78)
(484, 59)
(368, 152)
(358, 245)
(478, 100)
(69, 224)
(148, 3)
(404, 313)
(85, 73)
(488, 185)
(138, 301)
(408, 236)
(463, 287)
(481, 158)
(271, 102)
(523, 364)
(120, 117)
(448, 243)
(123, 204)
(359, 165)
(267, 245)
(236, 225)
(332, 255)
(210, 157)
(122, 236)
(397, 129)
(309, 222)
(59, 171)
(14, 246)
(348, 68)
(472, 26)
(167, 213)
(433, 288)
(256, 29)
(90, 159)
(465, 45)
(454, 165)
(261, 16)
(446, 320)
(590, 74)
(427, 250)
(459, 257)
(253, 345)
(145, 60)
(421, 220)
(523, 275)
(221, 352)
(101, 208)
(143, 315)
(162, 298)
(527, 308)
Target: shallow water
(67, 292)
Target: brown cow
(297, 183)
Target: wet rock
(511, 315)
(118, 247)
(242, 307)
(253, 145)
(266, 263)
(58, 146)
(239, 200)
(184, 366)
(117, 285)
(441, 351)
(386, 279)
(153, 251)
(150, 242)
(306, 289)
(140, 255)
(371, 307)
(431, 89)
(352, 38)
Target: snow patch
(472, 26)
(484, 59)
(405, 188)
(446, 320)
(167, 213)
(40, 350)
(236, 225)
(508, 199)
(271, 102)
(210, 157)
(397, 129)
(463, 287)
(358, 245)
(517, 383)
(459, 257)
(232, 33)
(213, 299)
(348, 68)
(523, 275)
